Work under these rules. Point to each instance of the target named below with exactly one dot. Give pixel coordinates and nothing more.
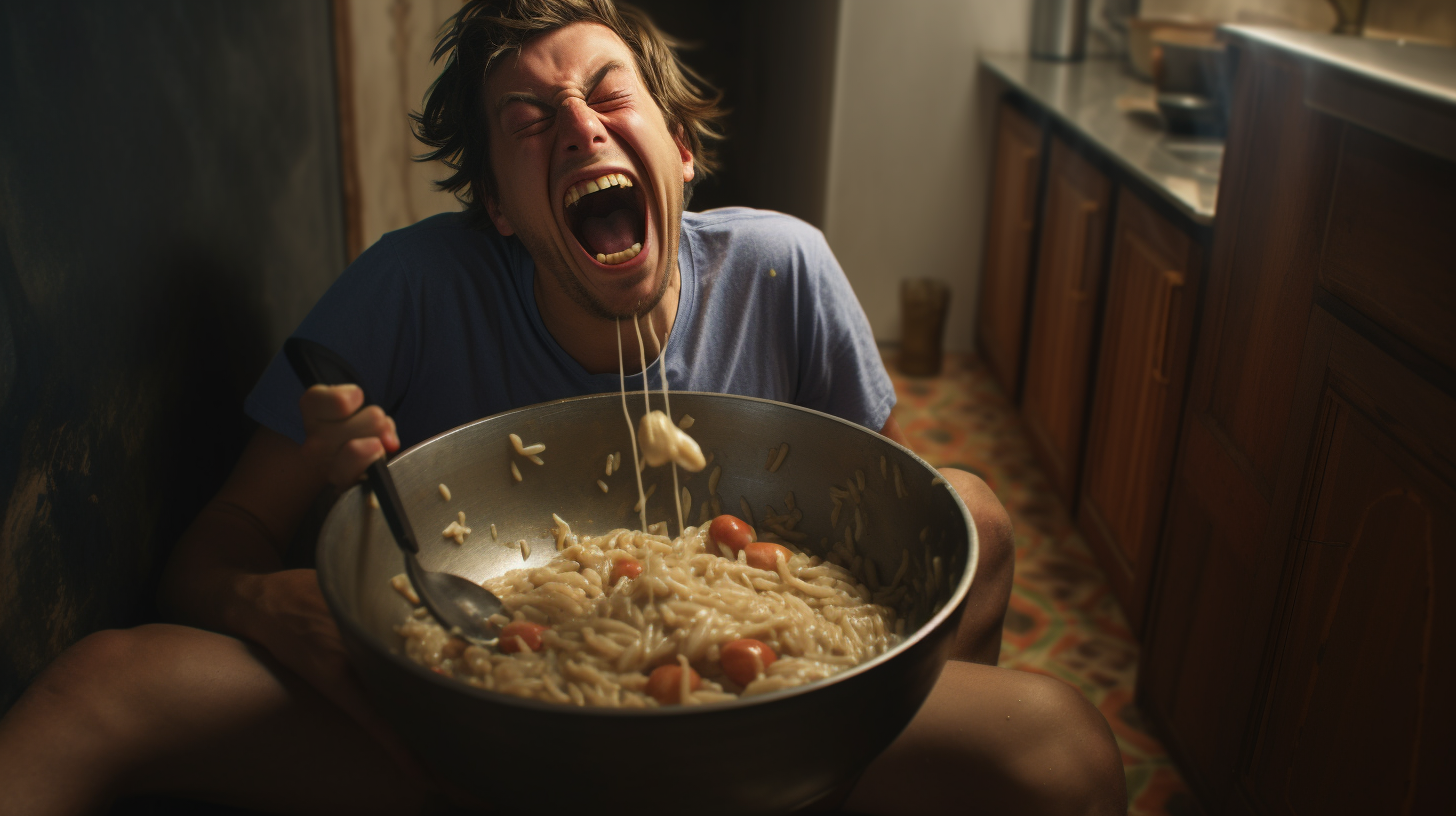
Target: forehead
(568, 57)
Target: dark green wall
(169, 209)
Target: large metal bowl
(768, 754)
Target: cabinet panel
(1182, 691)
(1359, 716)
(1068, 285)
(1270, 218)
(1006, 273)
(1147, 331)
(1389, 247)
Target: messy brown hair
(455, 122)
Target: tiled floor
(1063, 620)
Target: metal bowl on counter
(771, 753)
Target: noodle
(637, 465)
(779, 460)
(684, 607)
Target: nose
(579, 129)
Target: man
(543, 104)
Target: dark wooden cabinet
(1297, 649)
(1006, 273)
(1138, 397)
(1358, 715)
(1222, 555)
(1068, 284)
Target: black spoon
(460, 605)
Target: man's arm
(213, 577)
(225, 573)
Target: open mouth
(606, 217)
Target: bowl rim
(358, 632)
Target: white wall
(909, 159)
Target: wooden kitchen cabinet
(1297, 649)
(1138, 397)
(1222, 553)
(1006, 273)
(1064, 313)
(1358, 716)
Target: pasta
(638, 619)
(604, 635)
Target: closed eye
(534, 126)
(611, 101)
(526, 118)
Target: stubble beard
(593, 304)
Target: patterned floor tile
(1063, 620)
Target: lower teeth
(620, 257)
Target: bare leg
(979, 637)
(995, 740)
(169, 709)
(992, 740)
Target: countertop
(1406, 91)
(1427, 71)
(1084, 96)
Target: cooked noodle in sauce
(604, 637)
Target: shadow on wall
(169, 209)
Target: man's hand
(341, 439)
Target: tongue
(610, 233)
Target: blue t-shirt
(439, 320)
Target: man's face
(569, 111)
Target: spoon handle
(316, 364)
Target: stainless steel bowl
(768, 754)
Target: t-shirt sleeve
(841, 372)
(367, 317)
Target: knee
(94, 683)
(1069, 762)
(993, 523)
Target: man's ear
(502, 224)
(686, 155)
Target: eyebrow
(536, 101)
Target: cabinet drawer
(1388, 244)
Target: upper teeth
(581, 188)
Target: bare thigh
(994, 740)
(170, 709)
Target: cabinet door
(1359, 715)
(1006, 271)
(1068, 283)
(1219, 564)
(1138, 396)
